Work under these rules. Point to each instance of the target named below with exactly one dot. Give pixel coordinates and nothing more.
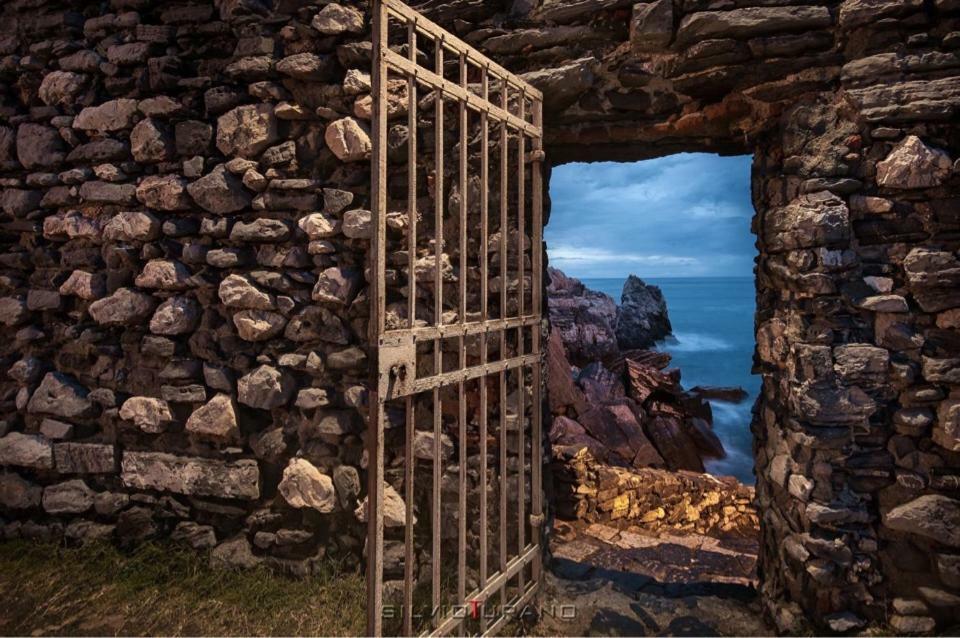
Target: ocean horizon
(712, 344)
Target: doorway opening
(651, 298)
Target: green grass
(163, 589)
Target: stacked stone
(856, 443)
(857, 196)
(181, 282)
(851, 111)
(657, 500)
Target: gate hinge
(535, 156)
(536, 520)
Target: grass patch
(164, 589)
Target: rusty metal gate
(454, 448)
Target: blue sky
(685, 215)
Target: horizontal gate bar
(454, 90)
(517, 603)
(455, 44)
(494, 584)
(464, 374)
(427, 333)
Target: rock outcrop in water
(586, 319)
(642, 318)
(625, 406)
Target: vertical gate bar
(484, 315)
(502, 487)
(462, 416)
(521, 372)
(438, 320)
(412, 177)
(378, 265)
(408, 470)
(409, 461)
(536, 462)
(521, 214)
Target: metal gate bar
(396, 353)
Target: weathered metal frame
(395, 380)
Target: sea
(712, 344)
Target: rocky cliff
(585, 319)
(642, 317)
(625, 406)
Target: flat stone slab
(625, 581)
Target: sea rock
(584, 318)
(561, 390)
(642, 317)
(303, 485)
(674, 443)
(617, 428)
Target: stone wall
(183, 236)
(183, 232)
(653, 499)
(850, 109)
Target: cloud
(681, 215)
(595, 255)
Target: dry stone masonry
(181, 299)
(185, 221)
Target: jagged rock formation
(642, 317)
(585, 319)
(627, 409)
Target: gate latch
(397, 355)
